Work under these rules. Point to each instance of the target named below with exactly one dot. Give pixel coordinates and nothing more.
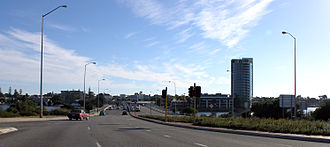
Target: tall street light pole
(294, 74)
(84, 95)
(174, 96)
(98, 93)
(232, 102)
(42, 55)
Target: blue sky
(140, 45)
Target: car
(102, 113)
(124, 113)
(78, 114)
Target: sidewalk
(312, 138)
(36, 118)
(27, 119)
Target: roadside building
(214, 103)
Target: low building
(214, 103)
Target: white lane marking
(98, 145)
(7, 130)
(88, 128)
(148, 130)
(167, 136)
(203, 145)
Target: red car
(78, 114)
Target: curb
(7, 130)
(242, 132)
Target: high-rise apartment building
(242, 83)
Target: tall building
(242, 83)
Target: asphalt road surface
(119, 130)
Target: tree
(57, 99)
(16, 94)
(267, 109)
(9, 91)
(1, 94)
(322, 113)
(188, 110)
(20, 91)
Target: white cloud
(64, 28)
(129, 35)
(226, 21)
(20, 61)
(152, 43)
(184, 35)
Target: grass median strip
(269, 125)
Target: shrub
(26, 108)
(260, 124)
(8, 114)
(59, 112)
(188, 110)
(322, 113)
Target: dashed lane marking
(98, 145)
(167, 136)
(88, 128)
(202, 145)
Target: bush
(322, 113)
(188, 110)
(8, 114)
(269, 125)
(59, 112)
(27, 108)
(67, 106)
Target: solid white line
(98, 145)
(167, 136)
(203, 145)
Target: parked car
(78, 114)
(124, 113)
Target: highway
(119, 130)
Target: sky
(142, 45)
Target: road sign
(287, 101)
(303, 105)
(211, 106)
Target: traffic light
(190, 90)
(198, 91)
(164, 93)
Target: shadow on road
(109, 124)
(132, 129)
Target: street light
(42, 56)
(85, 83)
(294, 73)
(174, 96)
(232, 102)
(98, 93)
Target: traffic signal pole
(166, 105)
(194, 92)
(194, 107)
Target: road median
(301, 137)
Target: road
(115, 129)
